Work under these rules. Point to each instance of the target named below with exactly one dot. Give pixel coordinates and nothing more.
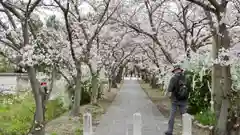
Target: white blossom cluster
(227, 57)
(47, 49)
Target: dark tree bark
(114, 83)
(119, 75)
(153, 82)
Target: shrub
(16, 115)
(79, 132)
(54, 109)
(206, 117)
(200, 95)
(86, 92)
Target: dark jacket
(174, 84)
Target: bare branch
(4, 26)
(69, 32)
(147, 5)
(28, 5)
(204, 6)
(34, 5)
(214, 3)
(11, 9)
(104, 12)
(10, 18)
(98, 29)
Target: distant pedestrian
(178, 93)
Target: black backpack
(181, 92)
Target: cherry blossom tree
(190, 25)
(84, 21)
(19, 36)
(147, 36)
(216, 13)
(196, 25)
(119, 58)
(145, 18)
(109, 45)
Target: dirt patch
(67, 125)
(105, 102)
(63, 125)
(164, 105)
(108, 97)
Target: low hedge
(16, 113)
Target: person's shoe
(166, 133)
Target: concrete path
(131, 99)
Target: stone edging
(207, 127)
(201, 126)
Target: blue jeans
(182, 105)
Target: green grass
(206, 117)
(79, 132)
(16, 113)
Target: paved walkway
(131, 99)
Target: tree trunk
(153, 82)
(38, 127)
(216, 92)
(147, 80)
(77, 94)
(94, 82)
(222, 124)
(126, 71)
(216, 88)
(216, 69)
(114, 83)
(52, 83)
(131, 73)
(216, 79)
(139, 74)
(109, 84)
(142, 75)
(223, 95)
(222, 121)
(119, 75)
(100, 90)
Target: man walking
(178, 93)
